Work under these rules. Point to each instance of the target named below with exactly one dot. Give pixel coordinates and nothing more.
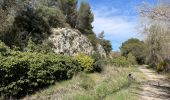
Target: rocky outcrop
(70, 42)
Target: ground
(155, 86)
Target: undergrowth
(111, 84)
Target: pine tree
(85, 18)
(69, 8)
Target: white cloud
(118, 28)
(113, 24)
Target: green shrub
(53, 16)
(102, 90)
(131, 59)
(85, 61)
(99, 62)
(161, 66)
(120, 61)
(24, 72)
(4, 50)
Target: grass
(111, 84)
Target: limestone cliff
(70, 42)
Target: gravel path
(155, 87)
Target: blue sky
(117, 18)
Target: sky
(117, 18)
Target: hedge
(25, 72)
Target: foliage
(29, 23)
(131, 59)
(85, 18)
(24, 72)
(32, 22)
(4, 50)
(114, 79)
(45, 47)
(53, 16)
(99, 62)
(103, 89)
(106, 45)
(161, 66)
(156, 30)
(120, 61)
(136, 48)
(69, 8)
(31, 46)
(86, 62)
(93, 40)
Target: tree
(85, 19)
(69, 8)
(156, 31)
(54, 17)
(158, 12)
(28, 23)
(136, 48)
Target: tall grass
(111, 84)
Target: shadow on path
(155, 87)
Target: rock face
(101, 50)
(70, 42)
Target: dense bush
(131, 59)
(163, 65)
(120, 61)
(99, 62)
(107, 46)
(86, 62)
(28, 23)
(45, 47)
(53, 16)
(124, 61)
(4, 50)
(23, 72)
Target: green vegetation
(122, 61)
(69, 9)
(156, 31)
(111, 83)
(106, 45)
(24, 72)
(34, 19)
(85, 61)
(136, 47)
(29, 66)
(85, 18)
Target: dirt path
(155, 87)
